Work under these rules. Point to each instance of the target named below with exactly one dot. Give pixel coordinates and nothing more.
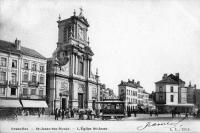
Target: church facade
(70, 82)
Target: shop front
(33, 107)
(9, 108)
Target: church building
(70, 82)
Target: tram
(112, 109)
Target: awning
(9, 103)
(182, 105)
(176, 105)
(34, 104)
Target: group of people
(63, 113)
(176, 112)
(155, 112)
(129, 112)
(70, 113)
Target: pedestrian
(194, 114)
(134, 111)
(43, 110)
(186, 115)
(55, 113)
(38, 112)
(179, 113)
(72, 113)
(67, 113)
(59, 112)
(172, 113)
(90, 114)
(87, 113)
(49, 111)
(156, 113)
(63, 114)
(150, 113)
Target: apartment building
(132, 93)
(171, 93)
(22, 76)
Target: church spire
(74, 12)
(59, 17)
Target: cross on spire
(74, 12)
(81, 11)
(59, 17)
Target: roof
(80, 18)
(11, 47)
(171, 79)
(130, 84)
(145, 92)
(106, 102)
(8, 46)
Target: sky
(131, 39)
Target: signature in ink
(154, 124)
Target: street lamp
(97, 79)
(55, 64)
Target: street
(143, 122)
(139, 117)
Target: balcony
(3, 82)
(29, 96)
(25, 96)
(13, 83)
(33, 84)
(43, 97)
(26, 68)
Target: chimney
(138, 82)
(195, 86)
(190, 84)
(177, 75)
(129, 80)
(164, 76)
(18, 44)
(133, 81)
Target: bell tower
(73, 50)
(73, 31)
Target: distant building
(197, 98)
(171, 93)
(146, 100)
(190, 93)
(133, 94)
(22, 77)
(106, 93)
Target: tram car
(112, 109)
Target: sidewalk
(139, 117)
(144, 117)
(47, 118)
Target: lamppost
(55, 65)
(97, 79)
